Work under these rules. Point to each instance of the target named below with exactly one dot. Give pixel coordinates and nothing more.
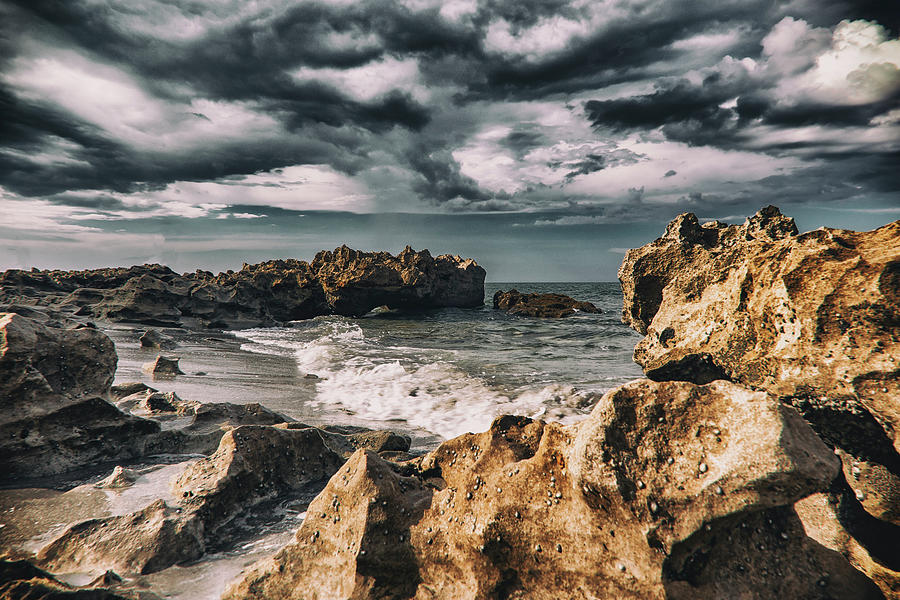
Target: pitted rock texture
(594, 510)
(54, 385)
(552, 306)
(145, 541)
(20, 580)
(812, 318)
(345, 281)
(252, 466)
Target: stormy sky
(541, 137)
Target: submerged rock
(540, 305)
(345, 282)
(53, 385)
(598, 509)
(811, 318)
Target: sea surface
(439, 373)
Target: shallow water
(440, 373)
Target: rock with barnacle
(439, 527)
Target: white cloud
(367, 82)
(857, 63)
(114, 101)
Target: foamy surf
(424, 388)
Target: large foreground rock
(811, 318)
(668, 490)
(54, 415)
(345, 282)
(540, 305)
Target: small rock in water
(119, 478)
(163, 365)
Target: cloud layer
(117, 109)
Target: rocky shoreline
(759, 458)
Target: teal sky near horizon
(510, 246)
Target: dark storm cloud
(591, 164)
(254, 61)
(522, 141)
(441, 177)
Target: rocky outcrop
(668, 490)
(355, 282)
(53, 388)
(20, 580)
(812, 318)
(253, 465)
(540, 305)
(141, 542)
(345, 281)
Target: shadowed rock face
(54, 415)
(812, 318)
(345, 281)
(19, 579)
(595, 510)
(540, 305)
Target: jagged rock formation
(345, 281)
(540, 305)
(253, 464)
(53, 388)
(811, 318)
(20, 580)
(668, 490)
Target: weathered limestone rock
(253, 464)
(143, 542)
(811, 318)
(164, 366)
(20, 580)
(129, 388)
(52, 387)
(540, 305)
(595, 510)
(345, 282)
(836, 520)
(355, 282)
(244, 471)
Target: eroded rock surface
(540, 305)
(343, 281)
(643, 500)
(253, 465)
(812, 318)
(21, 580)
(53, 388)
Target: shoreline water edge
(364, 426)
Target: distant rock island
(343, 282)
(759, 459)
(552, 306)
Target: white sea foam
(392, 383)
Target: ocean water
(439, 373)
